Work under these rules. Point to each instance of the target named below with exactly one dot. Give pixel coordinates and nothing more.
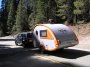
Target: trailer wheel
(42, 49)
(61, 49)
(25, 44)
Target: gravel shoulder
(83, 33)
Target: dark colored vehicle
(24, 39)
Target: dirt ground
(83, 33)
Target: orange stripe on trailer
(49, 36)
(57, 42)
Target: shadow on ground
(68, 53)
(21, 57)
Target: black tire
(17, 44)
(61, 49)
(25, 44)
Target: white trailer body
(54, 36)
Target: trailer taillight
(57, 42)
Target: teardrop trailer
(51, 37)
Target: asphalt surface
(16, 56)
(21, 57)
(25, 58)
(29, 58)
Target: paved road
(19, 57)
(15, 56)
(25, 58)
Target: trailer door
(47, 38)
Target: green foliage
(61, 7)
(1, 32)
(31, 20)
(32, 15)
(51, 9)
(3, 17)
(11, 16)
(86, 10)
(65, 8)
(22, 18)
(8, 5)
(69, 11)
(40, 15)
(79, 6)
(77, 11)
(22, 15)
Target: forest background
(21, 15)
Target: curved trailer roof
(61, 31)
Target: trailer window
(36, 32)
(43, 33)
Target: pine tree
(61, 10)
(78, 4)
(69, 11)
(4, 17)
(50, 9)
(61, 7)
(86, 10)
(11, 16)
(1, 32)
(19, 15)
(8, 5)
(32, 13)
(22, 18)
(40, 11)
